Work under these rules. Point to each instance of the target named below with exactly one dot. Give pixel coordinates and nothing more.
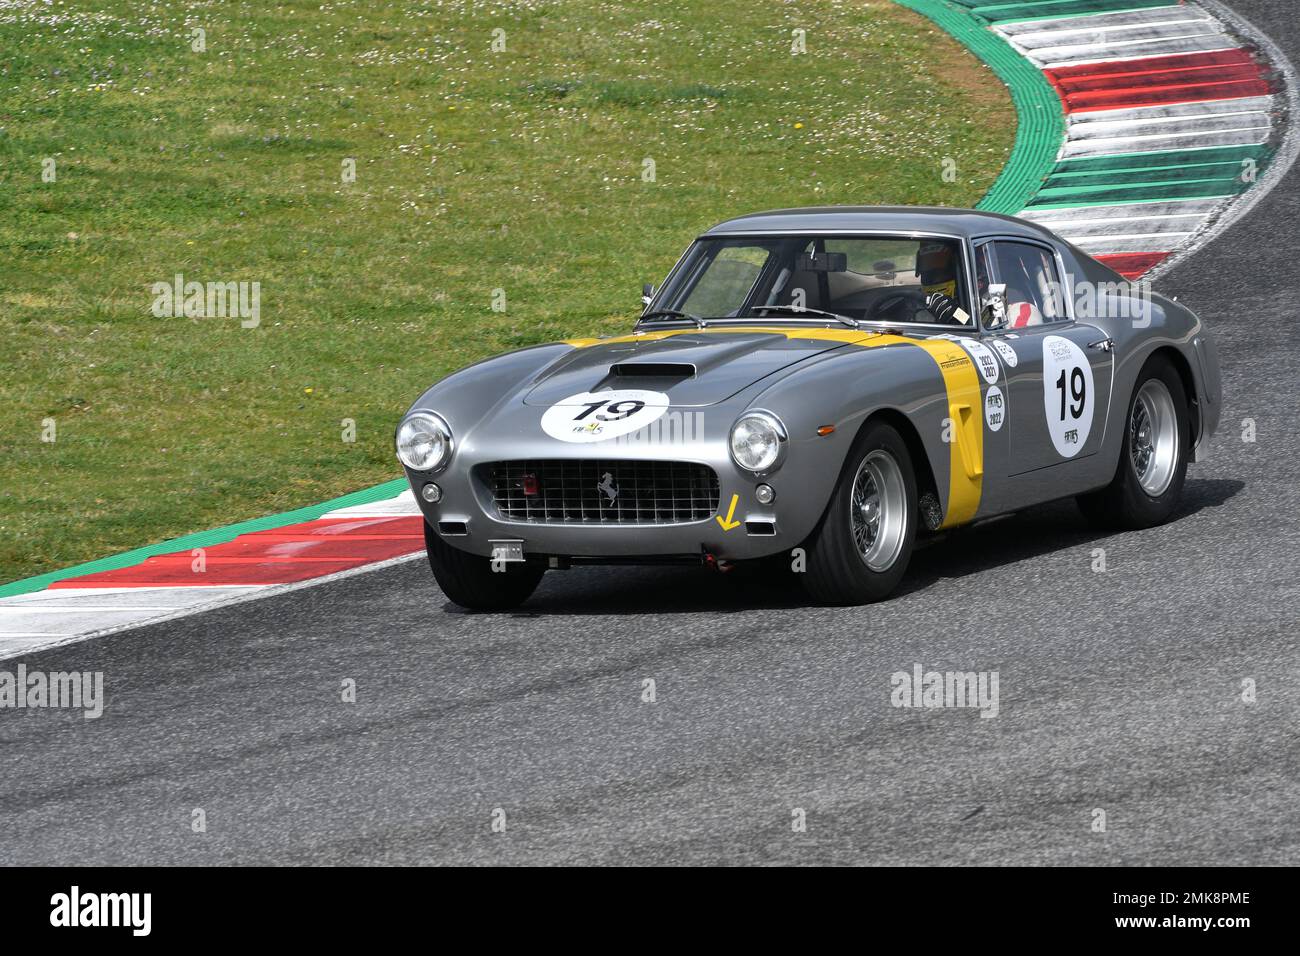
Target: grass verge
(521, 170)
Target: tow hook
(714, 563)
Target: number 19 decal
(1078, 392)
(1067, 394)
(599, 416)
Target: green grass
(519, 170)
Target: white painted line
(1043, 43)
(67, 612)
(25, 621)
(403, 504)
(1245, 104)
(1119, 52)
(1107, 247)
(1103, 20)
(10, 648)
(1128, 237)
(1168, 226)
(1109, 37)
(149, 596)
(1172, 207)
(1108, 146)
(27, 637)
(1211, 123)
(86, 608)
(1084, 134)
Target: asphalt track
(1119, 690)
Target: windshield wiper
(673, 314)
(801, 310)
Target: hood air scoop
(652, 370)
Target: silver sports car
(823, 386)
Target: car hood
(692, 368)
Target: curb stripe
(1040, 124)
(388, 491)
(1061, 220)
(1095, 24)
(1132, 265)
(1160, 81)
(1052, 9)
(1169, 118)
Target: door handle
(1106, 345)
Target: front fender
(468, 396)
(846, 388)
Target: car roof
(966, 223)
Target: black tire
(838, 572)
(468, 580)
(1124, 503)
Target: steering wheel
(889, 303)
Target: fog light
(765, 494)
(431, 493)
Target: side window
(727, 281)
(1034, 293)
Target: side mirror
(647, 293)
(993, 307)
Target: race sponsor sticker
(1007, 352)
(599, 416)
(995, 408)
(984, 359)
(1068, 400)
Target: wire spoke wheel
(1153, 437)
(878, 510)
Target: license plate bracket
(507, 551)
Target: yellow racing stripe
(850, 336)
(966, 421)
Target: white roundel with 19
(599, 416)
(1068, 400)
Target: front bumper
(465, 518)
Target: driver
(936, 267)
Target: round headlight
(757, 440)
(423, 442)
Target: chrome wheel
(1153, 437)
(878, 510)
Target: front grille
(603, 492)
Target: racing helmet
(936, 267)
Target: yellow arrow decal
(728, 524)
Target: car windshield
(862, 278)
